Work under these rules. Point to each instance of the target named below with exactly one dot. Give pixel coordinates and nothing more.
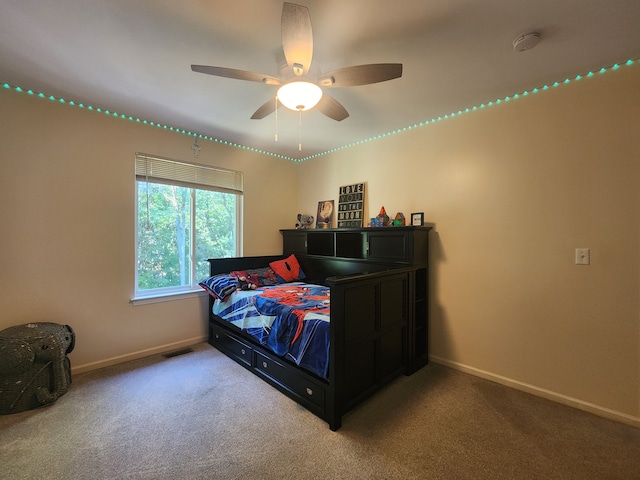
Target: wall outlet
(583, 256)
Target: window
(186, 213)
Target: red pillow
(288, 269)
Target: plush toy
(304, 221)
(244, 284)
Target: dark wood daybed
(378, 318)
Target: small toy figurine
(304, 221)
(383, 218)
(244, 284)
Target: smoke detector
(526, 41)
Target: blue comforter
(292, 320)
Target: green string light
(423, 123)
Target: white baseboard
(541, 392)
(135, 355)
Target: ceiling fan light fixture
(299, 95)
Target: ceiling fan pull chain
(276, 137)
(300, 132)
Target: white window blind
(162, 170)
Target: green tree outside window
(175, 222)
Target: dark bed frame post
(336, 361)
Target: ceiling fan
(299, 88)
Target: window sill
(166, 297)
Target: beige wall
(512, 190)
(67, 216)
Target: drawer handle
(242, 351)
(217, 336)
(264, 364)
(309, 391)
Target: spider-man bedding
(292, 320)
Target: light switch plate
(583, 256)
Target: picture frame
(417, 219)
(324, 218)
(351, 205)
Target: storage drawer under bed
(306, 390)
(231, 345)
(286, 377)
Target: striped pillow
(220, 286)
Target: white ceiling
(134, 57)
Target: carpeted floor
(202, 416)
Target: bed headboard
(316, 268)
(226, 265)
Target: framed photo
(324, 219)
(351, 206)
(417, 219)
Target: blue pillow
(220, 286)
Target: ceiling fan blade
(266, 109)
(361, 75)
(330, 107)
(297, 37)
(236, 74)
